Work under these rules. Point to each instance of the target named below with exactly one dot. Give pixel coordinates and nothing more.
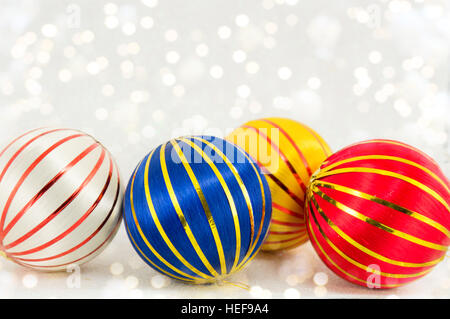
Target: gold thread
(383, 202)
(276, 148)
(409, 180)
(144, 238)
(230, 199)
(391, 158)
(180, 216)
(356, 263)
(204, 203)
(241, 186)
(367, 250)
(237, 284)
(244, 262)
(152, 263)
(378, 224)
(339, 268)
(402, 145)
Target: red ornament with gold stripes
(288, 152)
(60, 199)
(378, 213)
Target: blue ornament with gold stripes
(197, 209)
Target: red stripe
(296, 244)
(25, 175)
(287, 211)
(11, 160)
(60, 209)
(300, 153)
(272, 232)
(15, 140)
(280, 184)
(283, 241)
(85, 256)
(46, 188)
(283, 157)
(87, 239)
(278, 222)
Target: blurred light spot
(320, 291)
(236, 112)
(107, 90)
(131, 282)
(147, 22)
(49, 30)
(111, 22)
(216, 71)
(64, 75)
(150, 3)
(243, 91)
(314, 83)
(375, 57)
(271, 28)
(110, 8)
(291, 293)
(320, 279)
(29, 281)
(178, 90)
(292, 20)
(252, 67)
(284, 73)
(101, 114)
(242, 20)
(129, 28)
(224, 32)
(239, 56)
(116, 269)
(402, 108)
(202, 50)
(158, 281)
(172, 57)
(171, 35)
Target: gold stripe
(339, 268)
(391, 158)
(290, 140)
(400, 144)
(386, 173)
(263, 197)
(367, 250)
(356, 263)
(180, 214)
(275, 148)
(241, 185)
(145, 238)
(204, 203)
(377, 224)
(383, 202)
(230, 199)
(151, 262)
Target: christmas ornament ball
(197, 209)
(60, 199)
(288, 152)
(378, 213)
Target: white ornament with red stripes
(60, 199)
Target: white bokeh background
(136, 73)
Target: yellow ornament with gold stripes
(288, 153)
